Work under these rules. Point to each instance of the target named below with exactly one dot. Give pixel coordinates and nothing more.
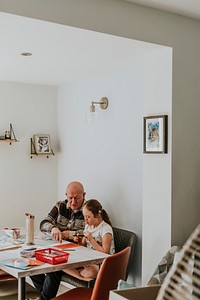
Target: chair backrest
(112, 269)
(124, 238)
(183, 280)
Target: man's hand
(65, 234)
(56, 234)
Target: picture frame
(156, 134)
(42, 144)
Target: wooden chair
(183, 280)
(123, 238)
(112, 269)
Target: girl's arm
(106, 242)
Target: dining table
(78, 256)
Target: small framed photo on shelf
(42, 143)
(155, 134)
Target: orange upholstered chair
(112, 269)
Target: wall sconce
(103, 104)
(92, 114)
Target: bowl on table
(28, 252)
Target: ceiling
(188, 8)
(63, 54)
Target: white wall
(157, 170)
(27, 185)
(106, 154)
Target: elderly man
(64, 219)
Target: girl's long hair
(95, 207)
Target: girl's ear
(99, 215)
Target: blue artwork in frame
(155, 134)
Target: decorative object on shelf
(40, 145)
(155, 134)
(9, 136)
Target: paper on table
(11, 263)
(35, 262)
(66, 246)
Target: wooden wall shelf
(34, 153)
(9, 141)
(12, 138)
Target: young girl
(98, 235)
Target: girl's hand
(79, 238)
(88, 235)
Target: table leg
(21, 288)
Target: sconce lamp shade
(103, 103)
(92, 108)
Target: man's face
(75, 196)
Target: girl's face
(89, 217)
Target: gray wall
(129, 20)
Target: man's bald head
(75, 195)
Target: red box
(52, 256)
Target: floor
(8, 290)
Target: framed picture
(155, 134)
(42, 143)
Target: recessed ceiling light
(26, 53)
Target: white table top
(79, 257)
